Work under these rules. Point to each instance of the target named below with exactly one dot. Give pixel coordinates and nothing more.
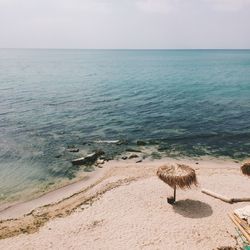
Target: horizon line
(127, 48)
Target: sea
(177, 103)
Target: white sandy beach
(126, 208)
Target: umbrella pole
(174, 193)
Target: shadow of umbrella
(192, 208)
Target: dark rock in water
(164, 148)
(89, 159)
(124, 157)
(133, 150)
(58, 156)
(106, 158)
(139, 161)
(73, 150)
(133, 156)
(99, 152)
(141, 143)
(153, 142)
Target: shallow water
(183, 102)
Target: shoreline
(21, 208)
(145, 153)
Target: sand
(126, 208)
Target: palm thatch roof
(177, 175)
(245, 168)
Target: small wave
(6, 89)
(57, 103)
(106, 141)
(21, 100)
(6, 113)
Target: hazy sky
(125, 24)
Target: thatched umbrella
(177, 176)
(245, 168)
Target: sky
(125, 24)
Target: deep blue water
(186, 102)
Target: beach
(124, 206)
(125, 125)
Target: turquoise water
(186, 102)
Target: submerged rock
(106, 158)
(99, 152)
(84, 160)
(153, 142)
(133, 150)
(141, 143)
(89, 159)
(73, 150)
(164, 148)
(121, 142)
(133, 156)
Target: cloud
(156, 6)
(86, 5)
(228, 5)
(125, 24)
(98, 6)
(166, 6)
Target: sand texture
(127, 209)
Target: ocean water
(180, 102)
